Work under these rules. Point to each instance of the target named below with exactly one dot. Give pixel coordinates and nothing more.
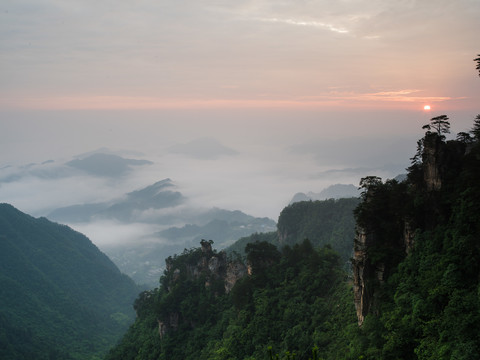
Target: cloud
(308, 23)
(370, 152)
(157, 55)
(203, 148)
(112, 233)
(108, 165)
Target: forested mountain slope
(60, 297)
(417, 254)
(292, 300)
(322, 222)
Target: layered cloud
(152, 54)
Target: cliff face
(391, 212)
(209, 264)
(362, 295)
(212, 270)
(432, 158)
(369, 273)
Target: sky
(240, 103)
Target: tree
(476, 127)
(478, 64)
(464, 137)
(369, 184)
(440, 124)
(417, 158)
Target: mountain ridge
(57, 286)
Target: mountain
(413, 292)
(207, 303)
(336, 191)
(173, 226)
(142, 260)
(327, 222)
(210, 306)
(61, 298)
(156, 196)
(97, 164)
(416, 265)
(109, 165)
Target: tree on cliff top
(440, 124)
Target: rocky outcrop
(235, 271)
(370, 274)
(363, 278)
(206, 263)
(432, 159)
(408, 236)
(211, 267)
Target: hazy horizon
(242, 105)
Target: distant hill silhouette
(108, 165)
(336, 191)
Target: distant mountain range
(97, 164)
(100, 164)
(336, 191)
(156, 196)
(160, 204)
(60, 297)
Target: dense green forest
(294, 300)
(420, 259)
(60, 297)
(326, 222)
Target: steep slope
(322, 222)
(417, 255)
(60, 296)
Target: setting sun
(426, 107)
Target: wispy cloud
(307, 23)
(266, 100)
(394, 96)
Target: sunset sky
(302, 92)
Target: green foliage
(428, 306)
(60, 297)
(440, 124)
(329, 222)
(295, 300)
(476, 127)
(238, 247)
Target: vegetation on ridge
(60, 297)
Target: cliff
(201, 269)
(391, 214)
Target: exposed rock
(235, 271)
(408, 236)
(431, 162)
(162, 328)
(363, 293)
(204, 263)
